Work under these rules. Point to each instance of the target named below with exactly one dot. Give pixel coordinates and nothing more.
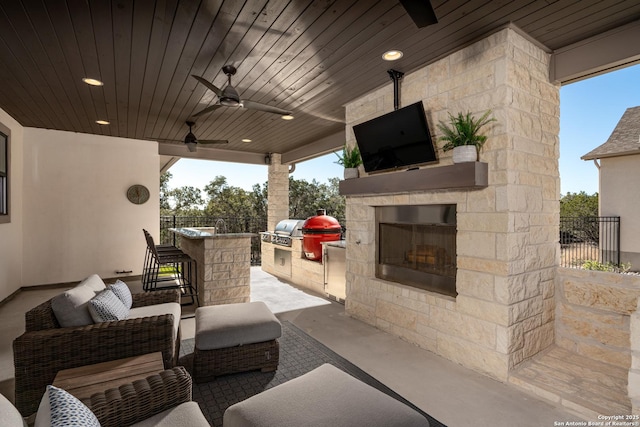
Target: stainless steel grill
(283, 233)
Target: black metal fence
(591, 238)
(224, 225)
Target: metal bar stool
(169, 267)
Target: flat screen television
(395, 140)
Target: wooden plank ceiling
(309, 57)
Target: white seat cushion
(230, 325)
(187, 414)
(9, 414)
(323, 397)
(158, 310)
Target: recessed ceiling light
(102, 122)
(92, 82)
(287, 117)
(392, 55)
(246, 140)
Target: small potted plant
(350, 159)
(462, 135)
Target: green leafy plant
(464, 129)
(350, 157)
(609, 266)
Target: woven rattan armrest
(40, 355)
(132, 403)
(156, 297)
(41, 317)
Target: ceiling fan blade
(420, 11)
(213, 141)
(209, 109)
(263, 107)
(208, 84)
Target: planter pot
(350, 173)
(465, 153)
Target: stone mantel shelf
(473, 175)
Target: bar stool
(167, 266)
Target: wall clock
(138, 194)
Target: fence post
(618, 239)
(173, 238)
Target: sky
(589, 111)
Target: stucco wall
(11, 233)
(76, 217)
(619, 197)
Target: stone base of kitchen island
(290, 264)
(224, 266)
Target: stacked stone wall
(507, 232)
(593, 310)
(225, 276)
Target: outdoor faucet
(224, 225)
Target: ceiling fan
(192, 142)
(228, 97)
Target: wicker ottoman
(325, 396)
(235, 338)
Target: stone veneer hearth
(507, 232)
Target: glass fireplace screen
(427, 248)
(416, 246)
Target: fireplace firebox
(416, 246)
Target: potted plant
(350, 159)
(462, 135)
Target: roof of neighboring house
(624, 140)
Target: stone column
(278, 192)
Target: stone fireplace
(416, 246)
(500, 310)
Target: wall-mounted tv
(395, 140)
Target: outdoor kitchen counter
(223, 261)
(206, 233)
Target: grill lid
(321, 224)
(289, 227)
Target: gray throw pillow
(123, 293)
(107, 307)
(70, 307)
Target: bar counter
(224, 263)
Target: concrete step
(583, 385)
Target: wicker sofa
(161, 400)
(47, 348)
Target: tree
(259, 200)
(249, 207)
(227, 201)
(578, 222)
(186, 201)
(305, 198)
(164, 192)
(579, 205)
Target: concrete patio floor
(454, 395)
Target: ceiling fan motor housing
(230, 97)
